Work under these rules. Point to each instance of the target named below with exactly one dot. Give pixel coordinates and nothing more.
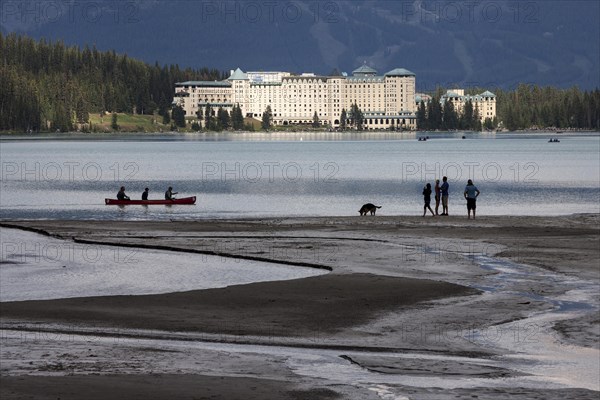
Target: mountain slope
(485, 43)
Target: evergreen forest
(48, 86)
(527, 107)
(52, 87)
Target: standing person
(169, 193)
(427, 199)
(471, 193)
(121, 194)
(437, 196)
(444, 189)
(145, 194)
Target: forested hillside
(498, 43)
(532, 106)
(49, 86)
(526, 107)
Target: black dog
(368, 208)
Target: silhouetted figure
(445, 194)
(169, 193)
(471, 193)
(438, 196)
(121, 194)
(427, 199)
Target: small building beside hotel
(484, 103)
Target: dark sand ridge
(303, 307)
(142, 387)
(373, 286)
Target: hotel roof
(365, 78)
(205, 83)
(480, 96)
(315, 77)
(238, 75)
(400, 72)
(364, 70)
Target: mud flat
(411, 308)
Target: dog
(368, 208)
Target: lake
(296, 174)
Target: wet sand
(155, 386)
(300, 307)
(396, 284)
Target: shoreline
(276, 134)
(507, 235)
(397, 284)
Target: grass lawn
(128, 123)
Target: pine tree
(434, 114)
(114, 124)
(450, 118)
(81, 113)
(356, 117)
(224, 118)
(343, 119)
(466, 120)
(477, 126)
(237, 119)
(178, 116)
(267, 118)
(488, 124)
(422, 117)
(316, 122)
(209, 119)
(511, 120)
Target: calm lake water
(300, 174)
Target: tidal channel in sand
(37, 267)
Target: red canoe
(183, 200)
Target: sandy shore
(397, 285)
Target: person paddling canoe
(169, 193)
(121, 194)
